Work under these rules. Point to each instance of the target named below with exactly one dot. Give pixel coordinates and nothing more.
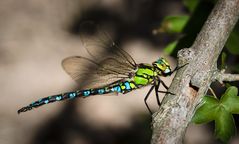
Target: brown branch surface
(221, 77)
(192, 81)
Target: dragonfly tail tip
(24, 109)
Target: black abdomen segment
(121, 87)
(49, 99)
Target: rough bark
(192, 81)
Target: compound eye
(167, 70)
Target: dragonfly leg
(166, 92)
(164, 85)
(177, 68)
(146, 97)
(157, 95)
(158, 91)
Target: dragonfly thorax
(144, 74)
(147, 73)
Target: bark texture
(192, 81)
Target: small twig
(222, 77)
(213, 93)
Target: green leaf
(230, 100)
(227, 85)
(173, 24)
(207, 112)
(224, 125)
(191, 4)
(170, 47)
(221, 111)
(223, 60)
(233, 43)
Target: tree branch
(221, 77)
(192, 81)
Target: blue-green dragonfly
(117, 72)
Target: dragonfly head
(162, 66)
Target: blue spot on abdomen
(46, 101)
(40, 100)
(117, 89)
(58, 98)
(127, 85)
(101, 91)
(72, 95)
(86, 93)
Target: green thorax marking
(144, 74)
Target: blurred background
(35, 36)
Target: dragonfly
(115, 73)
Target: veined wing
(91, 74)
(109, 63)
(100, 45)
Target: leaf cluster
(220, 111)
(188, 25)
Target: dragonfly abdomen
(123, 87)
(50, 99)
(120, 87)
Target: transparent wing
(91, 74)
(108, 62)
(100, 46)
